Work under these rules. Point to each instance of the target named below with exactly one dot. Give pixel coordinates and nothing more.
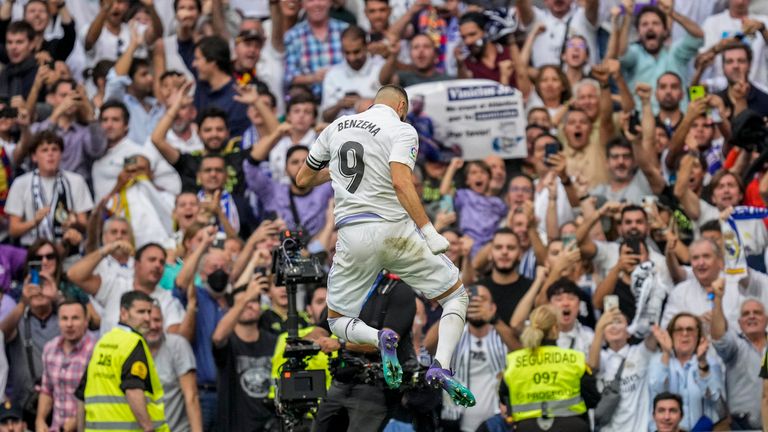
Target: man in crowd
(107, 289)
(243, 356)
(175, 364)
(65, 359)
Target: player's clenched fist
(437, 244)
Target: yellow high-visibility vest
(106, 407)
(545, 382)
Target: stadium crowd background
(152, 145)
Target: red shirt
(480, 70)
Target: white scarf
(51, 226)
(649, 295)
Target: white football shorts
(364, 249)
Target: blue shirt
(479, 216)
(209, 313)
(699, 393)
(638, 65)
(141, 122)
(223, 98)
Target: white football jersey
(358, 149)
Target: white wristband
(428, 230)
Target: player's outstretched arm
(402, 182)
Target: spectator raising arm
(96, 27)
(176, 100)
(228, 322)
(82, 272)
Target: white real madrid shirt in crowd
(277, 155)
(486, 357)
(690, 296)
(380, 137)
(21, 197)
(634, 410)
(547, 46)
(105, 170)
(342, 79)
(110, 46)
(579, 338)
(541, 205)
(113, 287)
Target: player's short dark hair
(563, 286)
(212, 112)
(128, 299)
(354, 32)
(150, 245)
(21, 27)
(46, 136)
(396, 88)
(731, 46)
(216, 49)
(708, 226)
(668, 396)
(114, 103)
(652, 10)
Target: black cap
(563, 286)
(9, 410)
(246, 35)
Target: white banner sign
(482, 117)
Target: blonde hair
(542, 319)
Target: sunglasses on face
(50, 256)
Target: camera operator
(357, 393)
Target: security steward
(121, 388)
(550, 388)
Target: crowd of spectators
(153, 145)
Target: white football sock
(354, 330)
(451, 325)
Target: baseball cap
(247, 35)
(8, 410)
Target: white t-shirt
(563, 206)
(110, 46)
(271, 68)
(548, 45)
(105, 170)
(579, 338)
(358, 150)
(341, 78)
(483, 382)
(113, 287)
(277, 157)
(20, 201)
(716, 26)
(690, 296)
(194, 143)
(634, 410)
(150, 211)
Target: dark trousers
(365, 406)
(208, 407)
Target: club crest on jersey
(414, 153)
